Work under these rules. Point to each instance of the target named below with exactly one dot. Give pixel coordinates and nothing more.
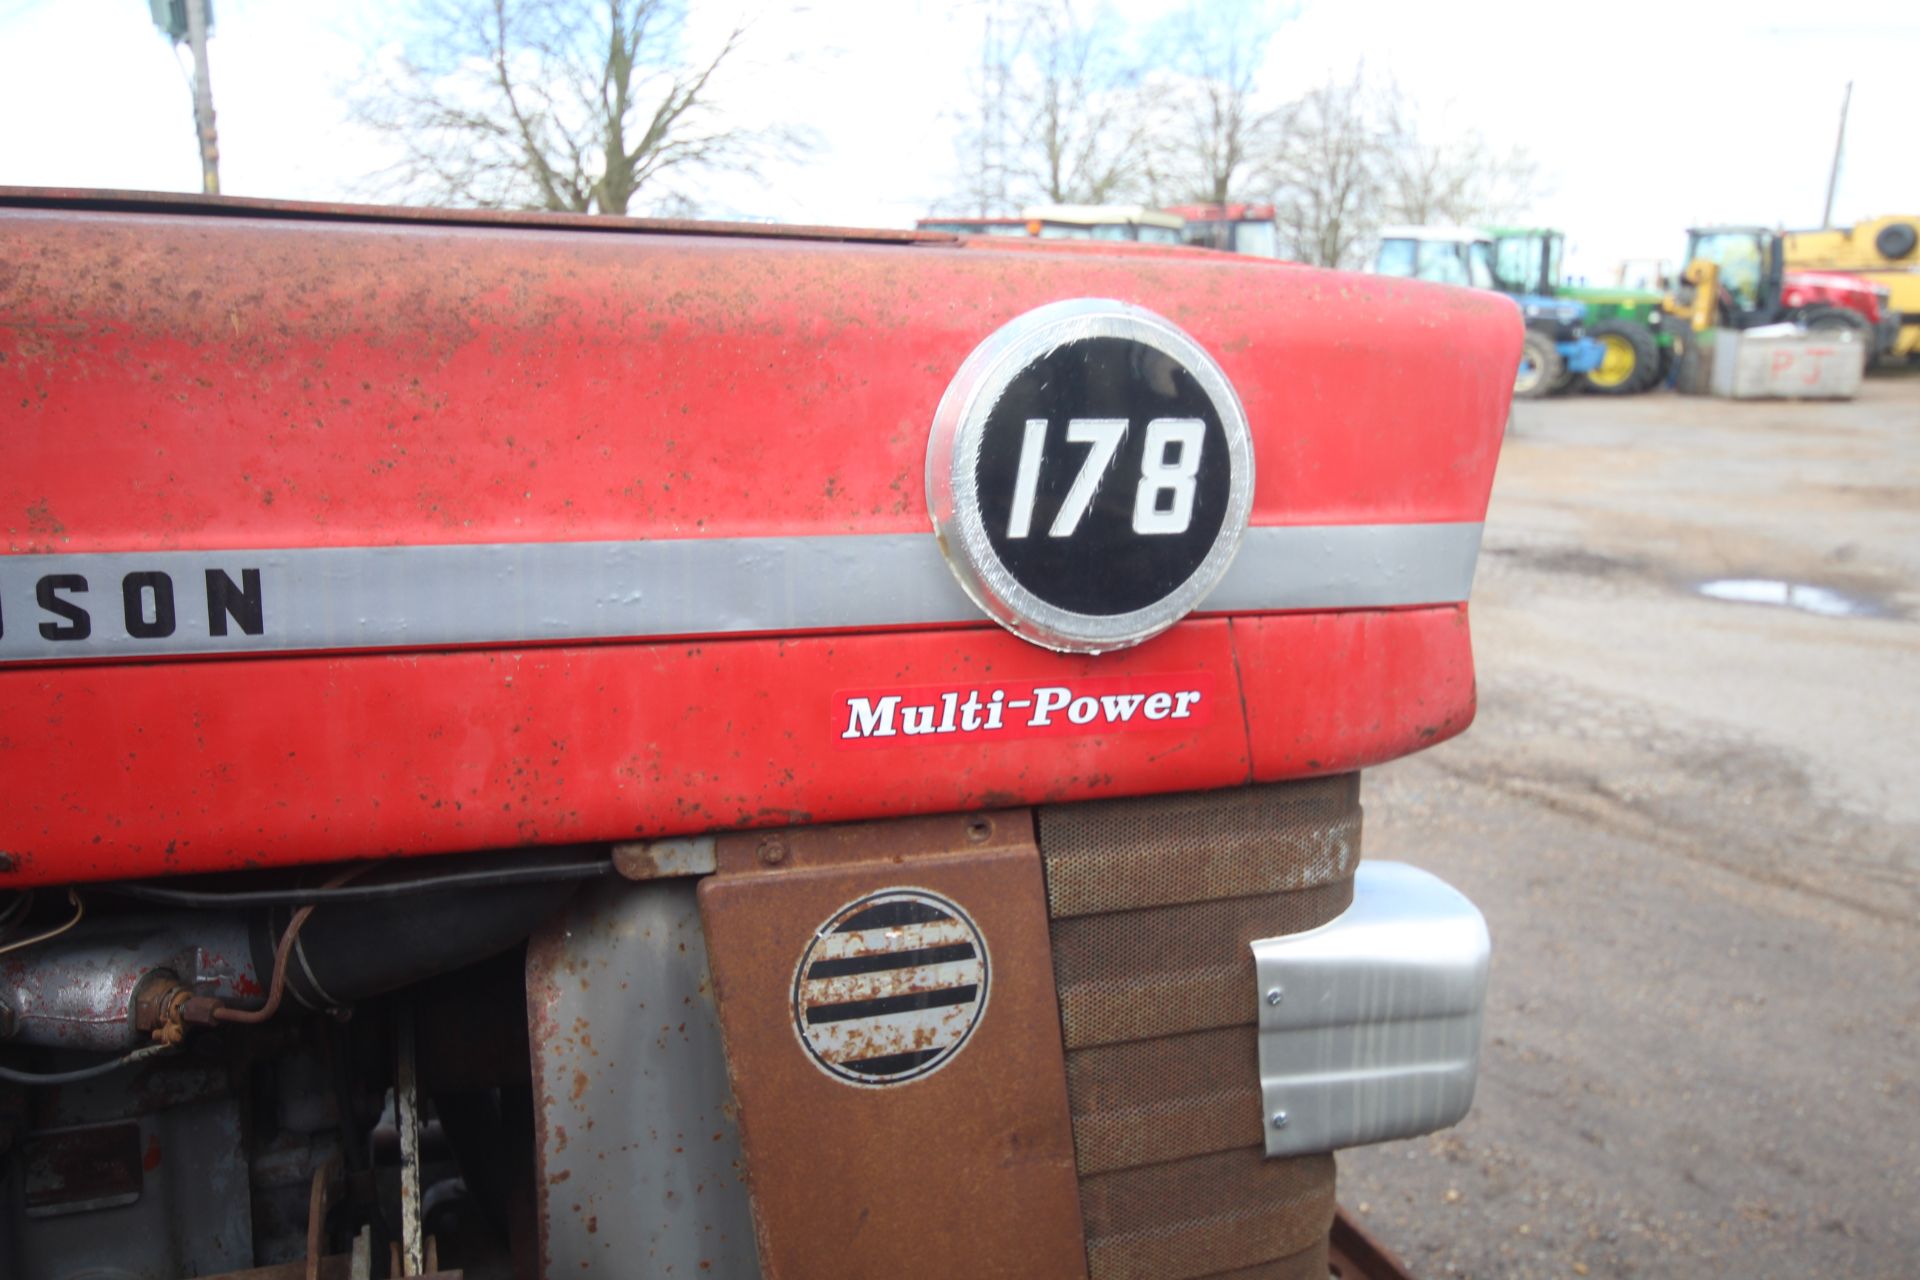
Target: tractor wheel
(1845, 320)
(1896, 239)
(1839, 320)
(1540, 367)
(1834, 320)
(1629, 358)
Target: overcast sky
(1647, 116)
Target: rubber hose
(348, 952)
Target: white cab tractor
(1557, 347)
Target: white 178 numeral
(1157, 475)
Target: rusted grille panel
(1220, 1212)
(1156, 851)
(1154, 903)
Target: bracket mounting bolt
(1273, 995)
(1279, 1119)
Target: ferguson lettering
(1095, 705)
(147, 604)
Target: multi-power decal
(1088, 705)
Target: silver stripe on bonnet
(426, 597)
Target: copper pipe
(278, 986)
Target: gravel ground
(1694, 827)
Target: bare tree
(1327, 174)
(1449, 175)
(1085, 124)
(568, 105)
(1356, 155)
(1060, 117)
(1214, 135)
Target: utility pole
(203, 98)
(189, 21)
(1839, 145)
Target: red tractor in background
(1235, 228)
(1883, 252)
(1834, 300)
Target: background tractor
(1626, 322)
(1105, 222)
(1748, 286)
(1884, 252)
(1071, 222)
(1734, 285)
(1236, 228)
(1557, 348)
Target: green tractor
(1637, 348)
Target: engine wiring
(19, 902)
(545, 870)
(79, 912)
(79, 1074)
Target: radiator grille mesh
(1220, 1212)
(1154, 902)
(1154, 851)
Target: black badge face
(1089, 475)
(1103, 476)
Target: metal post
(203, 98)
(406, 1109)
(1839, 145)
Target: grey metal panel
(1370, 1024)
(639, 1154)
(420, 597)
(432, 596)
(1349, 566)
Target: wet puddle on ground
(1805, 596)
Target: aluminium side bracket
(1370, 1024)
